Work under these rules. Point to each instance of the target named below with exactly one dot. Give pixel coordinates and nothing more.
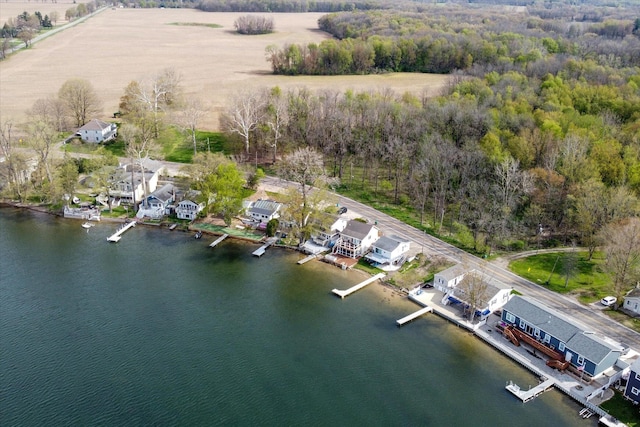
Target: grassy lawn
(588, 282)
(620, 317)
(623, 410)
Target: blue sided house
(632, 391)
(584, 351)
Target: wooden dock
(527, 395)
(414, 315)
(262, 249)
(115, 237)
(307, 259)
(218, 240)
(357, 287)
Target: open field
(120, 45)
(12, 8)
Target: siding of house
(580, 348)
(632, 304)
(632, 391)
(449, 278)
(187, 209)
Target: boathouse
(589, 354)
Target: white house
(329, 236)
(489, 294)
(447, 279)
(126, 184)
(356, 239)
(264, 210)
(632, 301)
(156, 204)
(97, 131)
(188, 209)
(389, 251)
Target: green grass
(117, 212)
(623, 410)
(365, 266)
(589, 281)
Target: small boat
(198, 234)
(87, 225)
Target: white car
(608, 301)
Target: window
(522, 324)
(561, 346)
(635, 391)
(536, 332)
(547, 338)
(638, 376)
(580, 361)
(510, 317)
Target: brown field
(12, 8)
(120, 45)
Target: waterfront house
(264, 211)
(356, 239)
(447, 279)
(97, 131)
(589, 354)
(486, 294)
(632, 390)
(632, 301)
(126, 184)
(327, 236)
(388, 251)
(157, 203)
(188, 209)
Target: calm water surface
(159, 329)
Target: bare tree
(622, 248)
(276, 116)
(50, 110)
(41, 137)
(188, 118)
(244, 115)
(159, 94)
(80, 99)
(473, 289)
(304, 167)
(139, 144)
(14, 167)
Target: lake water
(159, 329)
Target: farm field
(120, 45)
(13, 8)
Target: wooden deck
(357, 287)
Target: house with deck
(388, 251)
(188, 209)
(97, 131)
(127, 183)
(356, 239)
(476, 291)
(156, 204)
(264, 211)
(586, 353)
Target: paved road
(589, 316)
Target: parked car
(342, 210)
(608, 301)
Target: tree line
(444, 40)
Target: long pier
(218, 240)
(115, 237)
(357, 287)
(530, 394)
(262, 249)
(414, 315)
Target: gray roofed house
(588, 353)
(356, 239)
(389, 251)
(264, 210)
(632, 301)
(447, 279)
(97, 131)
(156, 203)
